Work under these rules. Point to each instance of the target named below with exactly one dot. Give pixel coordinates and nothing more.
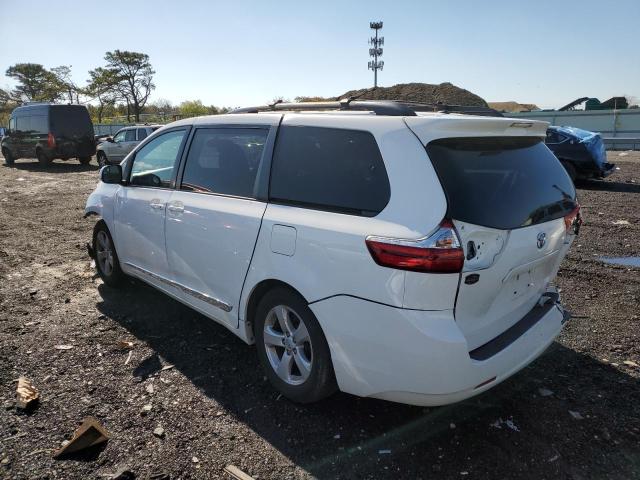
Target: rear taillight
(573, 221)
(51, 141)
(439, 252)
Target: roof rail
(379, 107)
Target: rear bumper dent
(420, 357)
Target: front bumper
(419, 357)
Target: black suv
(47, 131)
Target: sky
(240, 53)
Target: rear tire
(43, 158)
(84, 160)
(8, 158)
(106, 258)
(292, 348)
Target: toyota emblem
(542, 239)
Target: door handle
(176, 207)
(156, 204)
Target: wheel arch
(258, 291)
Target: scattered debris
(236, 473)
(195, 459)
(63, 347)
(621, 222)
(544, 392)
(167, 367)
(123, 473)
(219, 414)
(159, 432)
(384, 452)
(508, 423)
(576, 415)
(26, 394)
(146, 409)
(149, 389)
(126, 362)
(452, 426)
(629, 363)
(89, 434)
(336, 436)
(125, 345)
(553, 459)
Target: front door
(214, 217)
(141, 209)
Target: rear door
(214, 215)
(508, 197)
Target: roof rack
(392, 108)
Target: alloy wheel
(288, 345)
(104, 253)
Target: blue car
(582, 153)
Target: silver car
(114, 149)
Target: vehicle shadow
(492, 435)
(57, 166)
(608, 186)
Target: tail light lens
(51, 140)
(573, 221)
(439, 252)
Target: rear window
(502, 183)
(329, 169)
(70, 120)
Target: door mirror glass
(111, 174)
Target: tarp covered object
(591, 141)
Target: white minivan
(369, 247)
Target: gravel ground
(216, 408)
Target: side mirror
(110, 140)
(111, 174)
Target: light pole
(375, 51)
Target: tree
(134, 76)
(103, 86)
(192, 108)
(35, 83)
(66, 84)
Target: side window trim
(265, 165)
(181, 151)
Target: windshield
(70, 121)
(502, 182)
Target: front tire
(9, 159)
(102, 159)
(106, 258)
(43, 158)
(84, 160)
(292, 348)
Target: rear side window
(224, 161)
(502, 183)
(142, 133)
(40, 124)
(329, 169)
(130, 136)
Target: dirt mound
(421, 93)
(513, 106)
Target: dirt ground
(573, 414)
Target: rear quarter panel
(330, 256)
